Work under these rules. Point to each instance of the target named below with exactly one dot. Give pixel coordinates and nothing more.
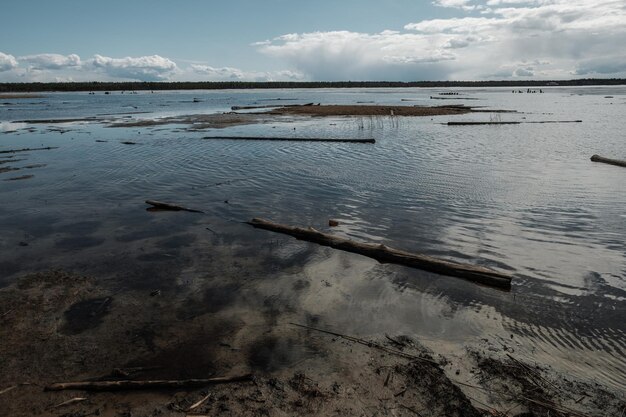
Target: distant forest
(205, 85)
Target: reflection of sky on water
(521, 198)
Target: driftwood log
(172, 207)
(481, 123)
(137, 385)
(30, 149)
(386, 254)
(510, 123)
(618, 162)
(288, 139)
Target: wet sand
(274, 114)
(62, 327)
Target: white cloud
(456, 4)
(605, 65)
(566, 35)
(345, 55)
(144, 68)
(51, 61)
(7, 62)
(524, 72)
(210, 73)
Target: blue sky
(311, 40)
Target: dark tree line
(205, 85)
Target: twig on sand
(172, 207)
(70, 401)
(199, 403)
(555, 407)
(11, 388)
(138, 385)
(411, 409)
(366, 343)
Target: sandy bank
(59, 327)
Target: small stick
(410, 409)
(11, 388)
(135, 385)
(172, 207)
(366, 343)
(70, 401)
(199, 403)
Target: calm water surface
(524, 199)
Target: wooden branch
(367, 343)
(618, 162)
(481, 123)
(70, 402)
(510, 123)
(288, 139)
(171, 207)
(137, 385)
(385, 254)
(30, 149)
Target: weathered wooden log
(288, 139)
(386, 254)
(510, 123)
(481, 123)
(171, 207)
(265, 106)
(30, 149)
(618, 162)
(137, 385)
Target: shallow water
(524, 199)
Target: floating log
(453, 98)
(30, 149)
(511, 123)
(266, 106)
(618, 162)
(556, 121)
(481, 123)
(287, 139)
(172, 207)
(137, 385)
(386, 254)
(269, 106)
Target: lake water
(524, 199)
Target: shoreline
(85, 332)
(225, 85)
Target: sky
(304, 40)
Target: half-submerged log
(386, 254)
(288, 139)
(47, 148)
(618, 162)
(136, 385)
(481, 123)
(172, 207)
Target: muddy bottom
(61, 327)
